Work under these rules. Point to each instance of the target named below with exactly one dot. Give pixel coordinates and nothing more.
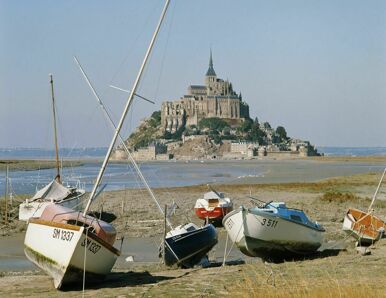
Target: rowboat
(273, 231)
(365, 227)
(213, 206)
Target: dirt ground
(339, 272)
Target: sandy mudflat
(339, 271)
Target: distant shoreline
(40, 164)
(35, 164)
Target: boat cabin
(190, 227)
(295, 215)
(59, 214)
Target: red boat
(213, 207)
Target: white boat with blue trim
(273, 231)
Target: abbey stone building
(214, 99)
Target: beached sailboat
(213, 206)
(365, 227)
(54, 192)
(71, 246)
(184, 245)
(273, 231)
(67, 244)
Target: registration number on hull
(271, 223)
(91, 246)
(62, 235)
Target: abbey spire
(210, 72)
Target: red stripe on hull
(216, 213)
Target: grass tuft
(340, 197)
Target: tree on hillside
(155, 119)
(281, 132)
(174, 136)
(245, 126)
(267, 125)
(213, 124)
(256, 135)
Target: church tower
(210, 77)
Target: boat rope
(225, 250)
(165, 49)
(84, 262)
(226, 255)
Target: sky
(318, 68)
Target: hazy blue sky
(316, 67)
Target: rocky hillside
(211, 137)
(148, 131)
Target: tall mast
(107, 115)
(57, 178)
(128, 104)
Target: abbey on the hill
(214, 99)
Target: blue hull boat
(187, 244)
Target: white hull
(260, 234)
(59, 250)
(36, 208)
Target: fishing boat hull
(79, 251)
(365, 227)
(187, 249)
(260, 234)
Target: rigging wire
(132, 45)
(165, 49)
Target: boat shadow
(227, 263)
(320, 254)
(121, 279)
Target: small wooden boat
(52, 193)
(365, 227)
(187, 244)
(273, 231)
(213, 206)
(64, 244)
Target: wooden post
(6, 195)
(164, 243)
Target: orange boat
(213, 206)
(365, 226)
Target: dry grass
(339, 197)
(324, 279)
